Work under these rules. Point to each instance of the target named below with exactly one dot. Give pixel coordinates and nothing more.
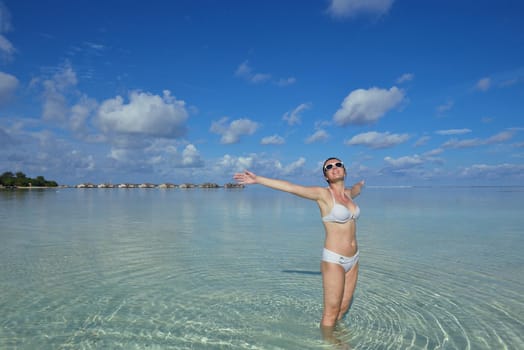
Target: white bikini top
(340, 213)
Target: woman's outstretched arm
(247, 178)
(356, 188)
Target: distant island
(10, 180)
(163, 185)
(19, 179)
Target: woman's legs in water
(338, 291)
(349, 289)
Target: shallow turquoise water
(440, 268)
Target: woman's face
(333, 169)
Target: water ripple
(143, 275)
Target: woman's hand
(245, 178)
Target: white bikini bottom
(346, 262)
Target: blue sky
(404, 92)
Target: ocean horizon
(188, 185)
(440, 268)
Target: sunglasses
(330, 166)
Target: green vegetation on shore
(19, 179)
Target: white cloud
(286, 81)
(245, 71)
(55, 106)
(145, 114)
(433, 152)
(64, 78)
(454, 143)
(377, 140)
(405, 77)
(191, 157)
(422, 141)
(228, 162)
(404, 162)
(294, 117)
(412, 166)
(231, 133)
(272, 140)
(352, 8)
(8, 85)
(500, 137)
(319, 135)
(260, 78)
(279, 169)
(367, 106)
(80, 112)
(246, 162)
(239, 163)
(121, 155)
(7, 49)
(44, 152)
(445, 107)
(503, 79)
(497, 138)
(94, 46)
(164, 155)
(483, 84)
(294, 167)
(260, 164)
(453, 132)
(499, 171)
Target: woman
(339, 213)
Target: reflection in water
(337, 336)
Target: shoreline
(126, 186)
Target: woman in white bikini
(339, 213)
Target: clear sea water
(440, 268)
